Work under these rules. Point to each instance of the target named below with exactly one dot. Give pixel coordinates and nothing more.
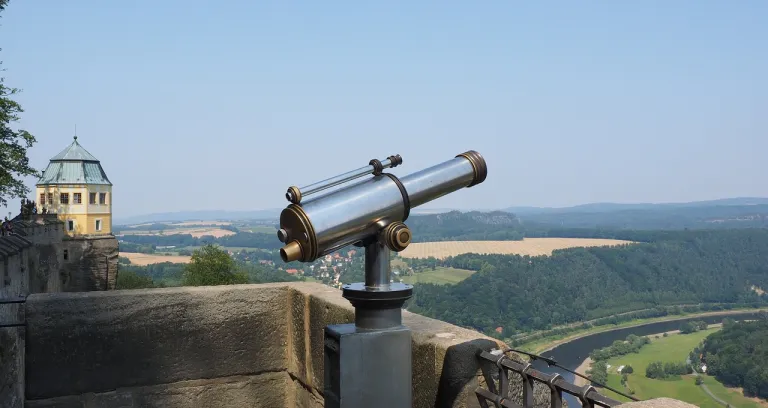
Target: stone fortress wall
(40, 258)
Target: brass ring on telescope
(293, 195)
(294, 220)
(479, 167)
(397, 236)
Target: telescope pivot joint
(396, 236)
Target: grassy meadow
(440, 276)
(674, 348)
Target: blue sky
(223, 105)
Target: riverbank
(544, 345)
(587, 364)
(670, 348)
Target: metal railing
(498, 392)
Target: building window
(102, 198)
(66, 254)
(50, 198)
(42, 198)
(64, 198)
(92, 198)
(77, 198)
(70, 225)
(98, 225)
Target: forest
(737, 356)
(522, 293)
(725, 214)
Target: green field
(440, 276)
(674, 348)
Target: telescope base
(368, 368)
(377, 308)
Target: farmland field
(196, 232)
(147, 259)
(528, 246)
(440, 276)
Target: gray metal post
(368, 363)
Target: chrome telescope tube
(353, 213)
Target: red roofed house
(292, 271)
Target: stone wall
(14, 259)
(224, 346)
(91, 263)
(32, 261)
(216, 347)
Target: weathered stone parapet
(220, 346)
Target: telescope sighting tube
(295, 194)
(364, 209)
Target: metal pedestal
(368, 363)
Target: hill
(521, 293)
(667, 217)
(609, 207)
(466, 226)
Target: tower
(75, 188)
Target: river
(573, 353)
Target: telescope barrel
(295, 194)
(346, 216)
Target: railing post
(527, 386)
(586, 402)
(556, 396)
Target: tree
(132, 280)
(212, 266)
(14, 163)
(628, 370)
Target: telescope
(369, 213)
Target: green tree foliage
(737, 356)
(470, 226)
(693, 327)
(212, 266)
(699, 380)
(522, 293)
(598, 373)
(661, 370)
(132, 280)
(14, 163)
(632, 344)
(628, 370)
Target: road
(706, 389)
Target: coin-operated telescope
(368, 363)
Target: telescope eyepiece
(291, 252)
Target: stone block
(102, 341)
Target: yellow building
(75, 187)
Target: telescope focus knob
(396, 236)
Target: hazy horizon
(192, 107)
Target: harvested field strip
(528, 246)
